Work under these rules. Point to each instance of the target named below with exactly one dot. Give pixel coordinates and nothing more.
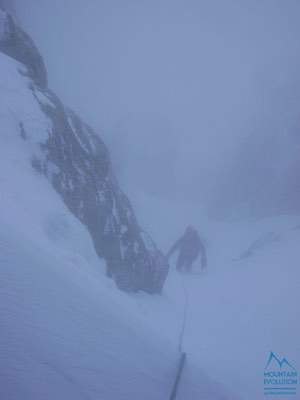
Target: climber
(189, 247)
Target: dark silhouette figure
(189, 247)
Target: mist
(8, 5)
(188, 286)
(180, 90)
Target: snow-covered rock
(65, 332)
(73, 158)
(17, 44)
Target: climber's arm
(175, 247)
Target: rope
(185, 313)
(177, 380)
(180, 342)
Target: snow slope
(75, 160)
(66, 332)
(247, 303)
(250, 306)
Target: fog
(183, 92)
(198, 102)
(8, 5)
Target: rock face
(77, 163)
(8, 5)
(15, 43)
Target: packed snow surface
(247, 302)
(66, 331)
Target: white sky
(171, 85)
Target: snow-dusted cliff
(66, 333)
(73, 158)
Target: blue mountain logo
(281, 362)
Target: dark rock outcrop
(77, 163)
(17, 44)
(8, 5)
